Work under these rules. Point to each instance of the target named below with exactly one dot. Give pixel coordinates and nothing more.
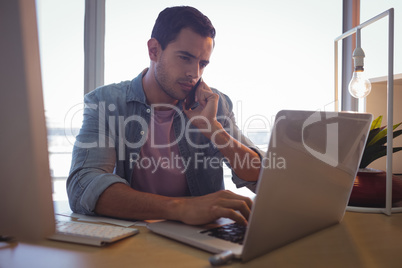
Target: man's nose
(194, 71)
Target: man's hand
(121, 201)
(204, 118)
(207, 208)
(204, 115)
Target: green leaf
(382, 134)
(375, 153)
(396, 125)
(372, 134)
(371, 154)
(376, 140)
(376, 123)
(384, 139)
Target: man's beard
(162, 78)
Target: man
(148, 150)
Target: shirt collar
(136, 91)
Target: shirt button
(148, 110)
(142, 132)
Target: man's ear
(154, 49)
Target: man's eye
(185, 58)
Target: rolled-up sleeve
(93, 160)
(229, 123)
(236, 180)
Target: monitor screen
(26, 207)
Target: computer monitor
(26, 207)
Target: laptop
(304, 184)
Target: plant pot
(369, 189)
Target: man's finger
(230, 195)
(219, 211)
(235, 204)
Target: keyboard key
(230, 232)
(91, 234)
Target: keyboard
(231, 232)
(89, 233)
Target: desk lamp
(360, 87)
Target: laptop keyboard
(231, 232)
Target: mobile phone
(190, 100)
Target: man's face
(182, 63)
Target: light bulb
(359, 86)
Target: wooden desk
(361, 240)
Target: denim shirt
(114, 128)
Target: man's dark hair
(173, 19)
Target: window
(375, 37)
(61, 28)
(279, 52)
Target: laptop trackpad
(195, 235)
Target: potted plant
(369, 185)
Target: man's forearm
(245, 162)
(121, 201)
